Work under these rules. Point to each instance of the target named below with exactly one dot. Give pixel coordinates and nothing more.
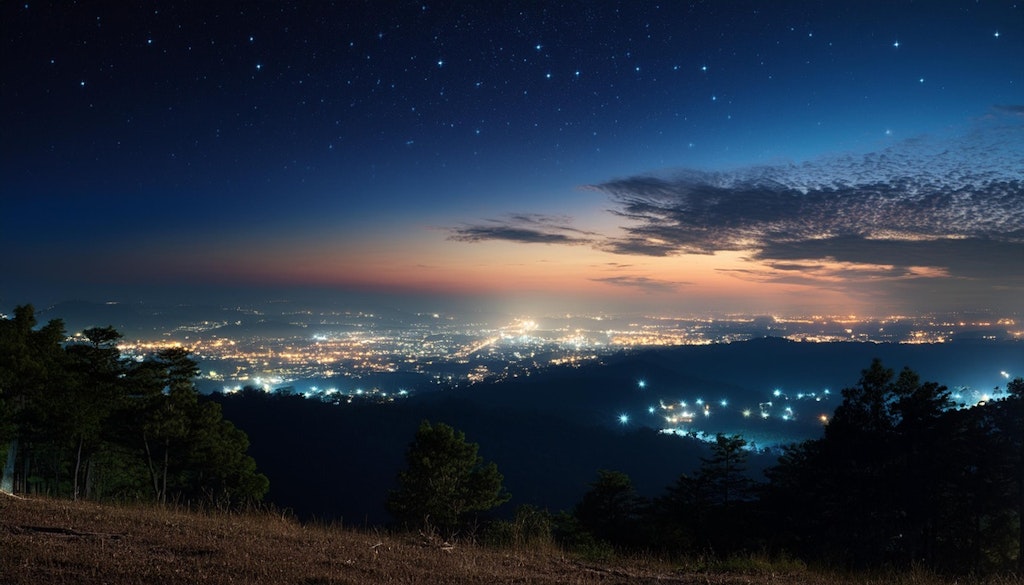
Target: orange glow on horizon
(425, 261)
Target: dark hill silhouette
(335, 462)
(551, 432)
(745, 374)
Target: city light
(342, 356)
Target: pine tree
(445, 482)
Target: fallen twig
(57, 531)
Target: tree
(31, 363)
(909, 478)
(189, 450)
(724, 473)
(218, 467)
(1011, 421)
(91, 396)
(610, 510)
(445, 482)
(709, 509)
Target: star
(896, 44)
(996, 35)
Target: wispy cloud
(925, 207)
(525, 229)
(643, 283)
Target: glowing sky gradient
(676, 158)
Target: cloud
(642, 282)
(967, 258)
(927, 207)
(524, 229)
(1011, 108)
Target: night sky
(672, 158)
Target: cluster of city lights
(676, 416)
(690, 417)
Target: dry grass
(58, 542)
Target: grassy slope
(57, 542)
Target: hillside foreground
(63, 542)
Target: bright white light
(1005, 374)
(777, 393)
(650, 409)
(746, 413)
(641, 384)
(623, 419)
(700, 401)
(723, 402)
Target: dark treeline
(900, 478)
(78, 421)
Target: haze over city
(657, 158)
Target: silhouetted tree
(216, 464)
(92, 395)
(678, 516)
(1011, 423)
(611, 509)
(71, 409)
(445, 483)
(902, 477)
(708, 510)
(32, 362)
(723, 474)
(190, 451)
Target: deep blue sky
(666, 156)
